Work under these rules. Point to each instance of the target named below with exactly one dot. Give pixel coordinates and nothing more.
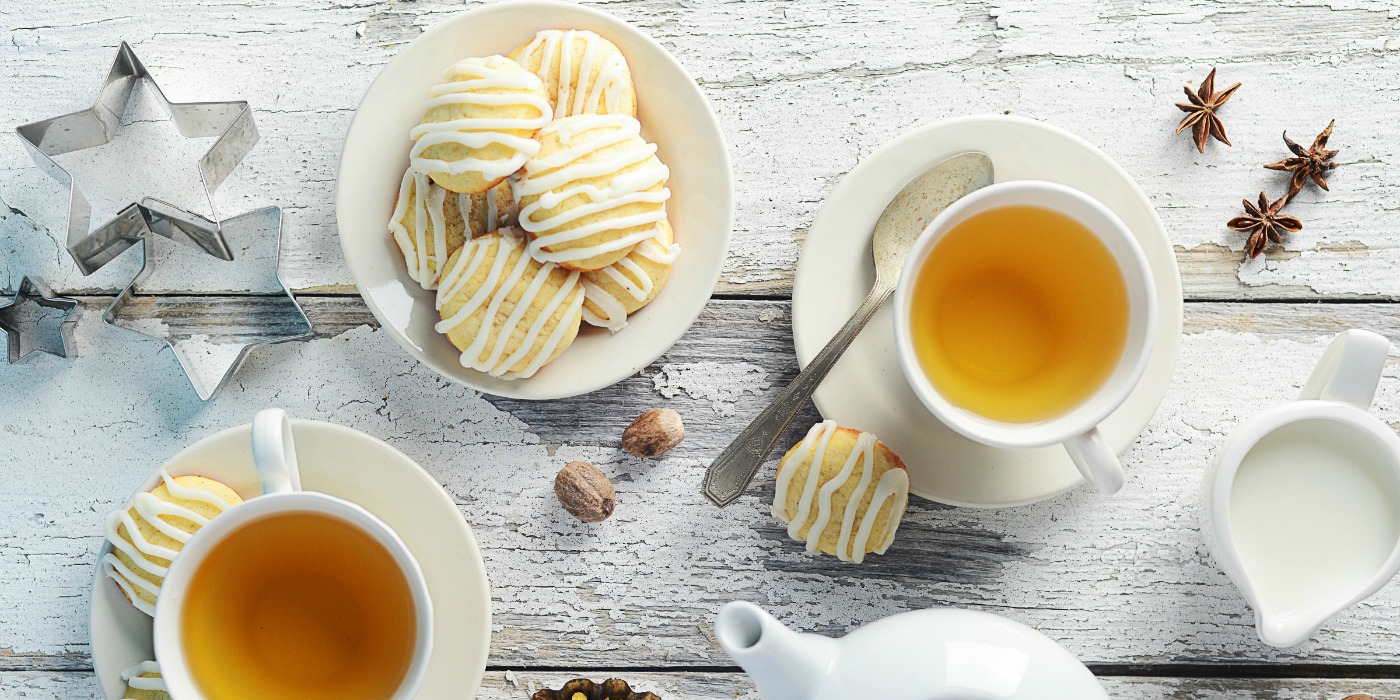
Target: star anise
(1310, 163)
(1264, 223)
(1200, 112)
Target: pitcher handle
(274, 454)
(1349, 370)
(1096, 460)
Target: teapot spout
(784, 664)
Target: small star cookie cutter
(207, 363)
(231, 122)
(22, 328)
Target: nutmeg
(653, 433)
(585, 492)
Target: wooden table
(805, 89)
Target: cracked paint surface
(1125, 579)
(803, 90)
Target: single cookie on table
(508, 313)
(613, 293)
(419, 221)
(480, 124)
(153, 528)
(593, 192)
(841, 491)
(144, 682)
(583, 73)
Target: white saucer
(867, 390)
(359, 468)
(674, 115)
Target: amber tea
(1019, 314)
(299, 606)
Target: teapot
(935, 654)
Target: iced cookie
(613, 293)
(419, 222)
(154, 527)
(144, 682)
(508, 313)
(582, 72)
(480, 124)
(842, 492)
(593, 192)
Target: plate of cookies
(535, 199)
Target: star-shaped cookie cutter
(231, 122)
(192, 362)
(20, 331)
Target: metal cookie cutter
(211, 345)
(231, 122)
(24, 319)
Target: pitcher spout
(784, 664)
(1284, 629)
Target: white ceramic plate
(867, 390)
(361, 469)
(674, 116)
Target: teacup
(1052, 295)
(305, 563)
(1302, 504)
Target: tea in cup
(1024, 317)
(293, 594)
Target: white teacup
(275, 457)
(1076, 428)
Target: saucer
(674, 115)
(361, 469)
(867, 390)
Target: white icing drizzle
(633, 279)
(560, 169)
(466, 80)
(893, 486)
(430, 213)
(140, 550)
(136, 681)
(614, 316)
(428, 200)
(494, 290)
(573, 98)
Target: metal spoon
(899, 225)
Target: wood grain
(516, 685)
(804, 90)
(1121, 580)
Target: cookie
(841, 491)
(508, 313)
(479, 125)
(594, 191)
(582, 72)
(418, 222)
(153, 528)
(144, 682)
(613, 293)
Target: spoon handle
(735, 467)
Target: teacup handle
(274, 454)
(1096, 461)
(1349, 370)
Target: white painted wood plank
(804, 90)
(1123, 580)
(519, 685)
